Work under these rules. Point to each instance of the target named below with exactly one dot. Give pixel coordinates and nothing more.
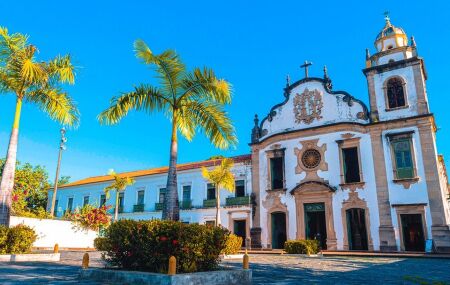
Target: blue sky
(253, 44)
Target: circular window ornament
(311, 158)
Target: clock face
(311, 158)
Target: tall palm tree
(222, 178)
(119, 184)
(32, 81)
(191, 100)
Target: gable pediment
(310, 103)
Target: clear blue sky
(253, 44)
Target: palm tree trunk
(171, 210)
(116, 210)
(7, 182)
(217, 206)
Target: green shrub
(147, 245)
(20, 239)
(233, 244)
(301, 246)
(3, 239)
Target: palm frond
(213, 121)
(205, 84)
(62, 69)
(57, 104)
(143, 98)
(221, 175)
(168, 65)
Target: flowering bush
(90, 217)
(147, 245)
(18, 239)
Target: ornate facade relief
(308, 106)
(310, 159)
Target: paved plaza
(267, 269)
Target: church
(323, 166)
(326, 166)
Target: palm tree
(119, 184)
(222, 178)
(191, 100)
(32, 81)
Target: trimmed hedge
(147, 245)
(233, 244)
(18, 239)
(307, 246)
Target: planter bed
(25, 257)
(220, 277)
(318, 255)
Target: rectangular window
(211, 191)
(403, 158)
(351, 165)
(276, 172)
(240, 188)
(210, 223)
(140, 197)
(69, 204)
(186, 192)
(162, 195)
(102, 200)
(56, 208)
(85, 200)
(121, 200)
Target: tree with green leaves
(222, 178)
(118, 185)
(190, 100)
(31, 81)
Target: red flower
(174, 242)
(162, 238)
(25, 192)
(15, 197)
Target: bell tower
(395, 76)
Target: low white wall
(63, 233)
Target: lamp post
(62, 147)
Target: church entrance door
(356, 229)
(315, 223)
(413, 237)
(278, 229)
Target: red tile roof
(159, 170)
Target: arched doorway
(356, 229)
(278, 228)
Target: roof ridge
(153, 171)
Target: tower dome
(390, 37)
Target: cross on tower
(305, 66)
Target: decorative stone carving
(308, 106)
(352, 186)
(273, 201)
(347, 136)
(310, 159)
(406, 182)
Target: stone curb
(222, 277)
(30, 257)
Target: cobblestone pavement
(267, 269)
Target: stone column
(386, 230)
(372, 96)
(255, 231)
(421, 90)
(439, 228)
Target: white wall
(50, 232)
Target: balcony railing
(138, 208)
(236, 201)
(159, 206)
(185, 205)
(209, 203)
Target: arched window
(395, 93)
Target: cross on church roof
(305, 66)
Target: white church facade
(324, 166)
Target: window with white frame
(239, 188)
(140, 197)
